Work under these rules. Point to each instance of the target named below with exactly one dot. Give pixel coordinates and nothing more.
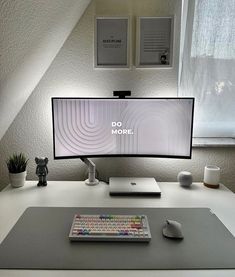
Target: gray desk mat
(39, 240)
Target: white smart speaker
(185, 178)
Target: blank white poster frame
(154, 45)
(112, 42)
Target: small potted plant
(17, 169)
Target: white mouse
(172, 229)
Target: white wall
(32, 33)
(72, 74)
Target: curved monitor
(98, 127)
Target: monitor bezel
(123, 155)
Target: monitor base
(136, 186)
(91, 183)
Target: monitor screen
(98, 127)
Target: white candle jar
(211, 176)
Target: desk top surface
(13, 202)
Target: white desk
(13, 202)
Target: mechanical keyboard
(110, 228)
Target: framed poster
(111, 42)
(154, 42)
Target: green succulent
(17, 163)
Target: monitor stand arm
(91, 181)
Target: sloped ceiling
(31, 34)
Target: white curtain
(207, 70)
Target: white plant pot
(17, 179)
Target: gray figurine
(42, 170)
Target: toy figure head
(41, 161)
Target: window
(208, 66)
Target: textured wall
(32, 33)
(72, 74)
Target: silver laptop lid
(133, 186)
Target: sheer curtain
(207, 70)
